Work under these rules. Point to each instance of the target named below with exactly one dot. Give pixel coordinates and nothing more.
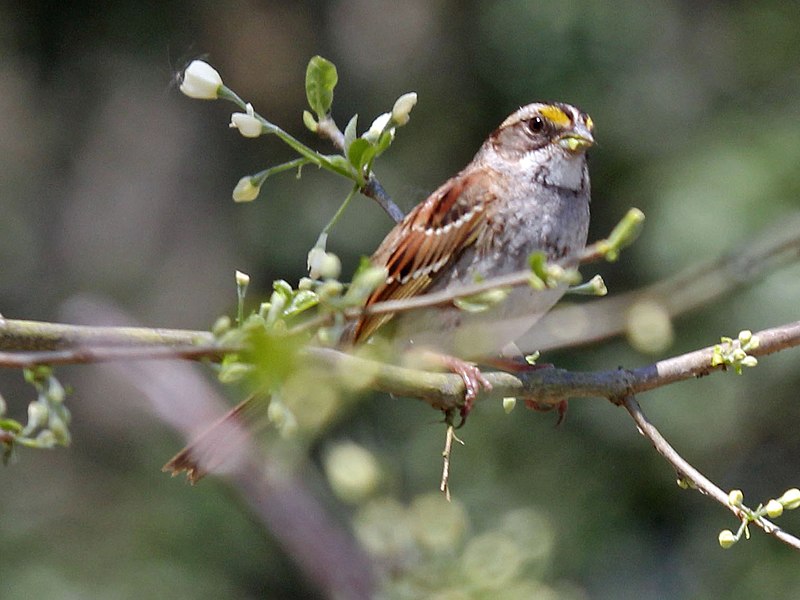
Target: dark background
(115, 186)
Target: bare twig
(98, 354)
(450, 436)
(698, 480)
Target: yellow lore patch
(555, 115)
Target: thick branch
(551, 386)
(37, 335)
(440, 390)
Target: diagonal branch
(691, 288)
(698, 480)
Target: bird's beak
(579, 139)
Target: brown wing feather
(428, 239)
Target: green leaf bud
(246, 190)
(774, 508)
(735, 498)
(790, 499)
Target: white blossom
(376, 129)
(245, 191)
(201, 81)
(247, 123)
(402, 108)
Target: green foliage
(48, 417)
(734, 354)
(321, 79)
(773, 509)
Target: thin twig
(698, 480)
(444, 486)
(98, 354)
(569, 325)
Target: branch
(99, 354)
(689, 289)
(440, 390)
(698, 480)
(550, 386)
(327, 128)
(36, 335)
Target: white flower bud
(247, 123)
(55, 391)
(245, 191)
(402, 108)
(790, 499)
(509, 404)
(735, 497)
(322, 264)
(749, 361)
(376, 129)
(37, 415)
(242, 279)
(45, 439)
(727, 538)
(201, 81)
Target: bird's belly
(473, 335)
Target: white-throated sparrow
(526, 190)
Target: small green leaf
(283, 288)
(483, 301)
(384, 142)
(321, 78)
(350, 132)
(303, 300)
(10, 425)
(360, 153)
(337, 162)
(309, 121)
(538, 264)
(624, 234)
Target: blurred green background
(115, 186)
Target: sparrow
(526, 190)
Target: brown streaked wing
(427, 240)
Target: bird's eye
(536, 125)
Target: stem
(311, 155)
(292, 164)
(340, 211)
